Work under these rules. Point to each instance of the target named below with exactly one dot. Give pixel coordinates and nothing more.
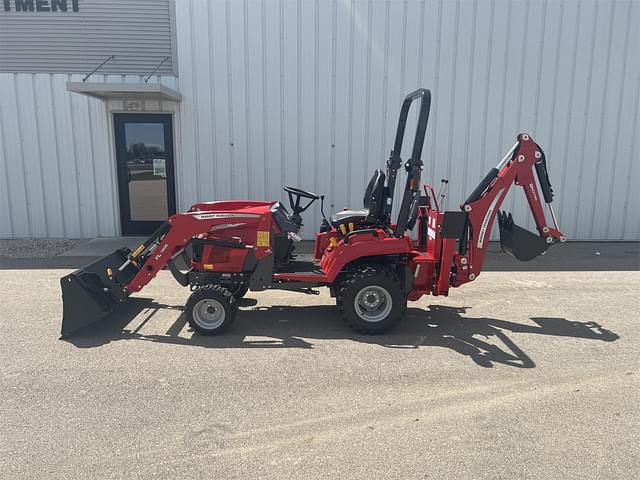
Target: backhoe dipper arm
(484, 203)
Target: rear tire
(210, 309)
(371, 300)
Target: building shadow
(486, 341)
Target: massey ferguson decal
(211, 216)
(487, 217)
(533, 191)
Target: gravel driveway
(35, 248)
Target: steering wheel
(302, 193)
(295, 202)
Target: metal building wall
(57, 167)
(306, 93)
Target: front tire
(371, 300)
(210, 309)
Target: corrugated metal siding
(57, 168)
(307, 93)
(137, 33)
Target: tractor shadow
(486, 341)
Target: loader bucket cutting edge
(89, 294)
(519, 242)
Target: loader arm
(92, 292)
(169, 241)
(483, 205)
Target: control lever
(444, 184)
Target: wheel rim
(373, 303)
(209, 314)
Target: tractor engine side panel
(208, 258)
(227, 246)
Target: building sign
(41, 5)
(75, 36)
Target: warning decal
(262, 239)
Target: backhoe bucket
(518, 242)
(92, 292)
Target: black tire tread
(211, 291)
(351, 279)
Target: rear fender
(362, 249)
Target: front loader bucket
(518, 242)
(92, 292)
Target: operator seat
(373, 202)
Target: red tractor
(369, 262)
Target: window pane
(147, 171)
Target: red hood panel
(236, 206)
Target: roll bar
(413, 165)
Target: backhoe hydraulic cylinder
(482, 186)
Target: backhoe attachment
(520, 166)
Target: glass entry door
(144, 153)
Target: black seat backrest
(373, 195)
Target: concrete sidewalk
(571, 256)
(99, 247)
